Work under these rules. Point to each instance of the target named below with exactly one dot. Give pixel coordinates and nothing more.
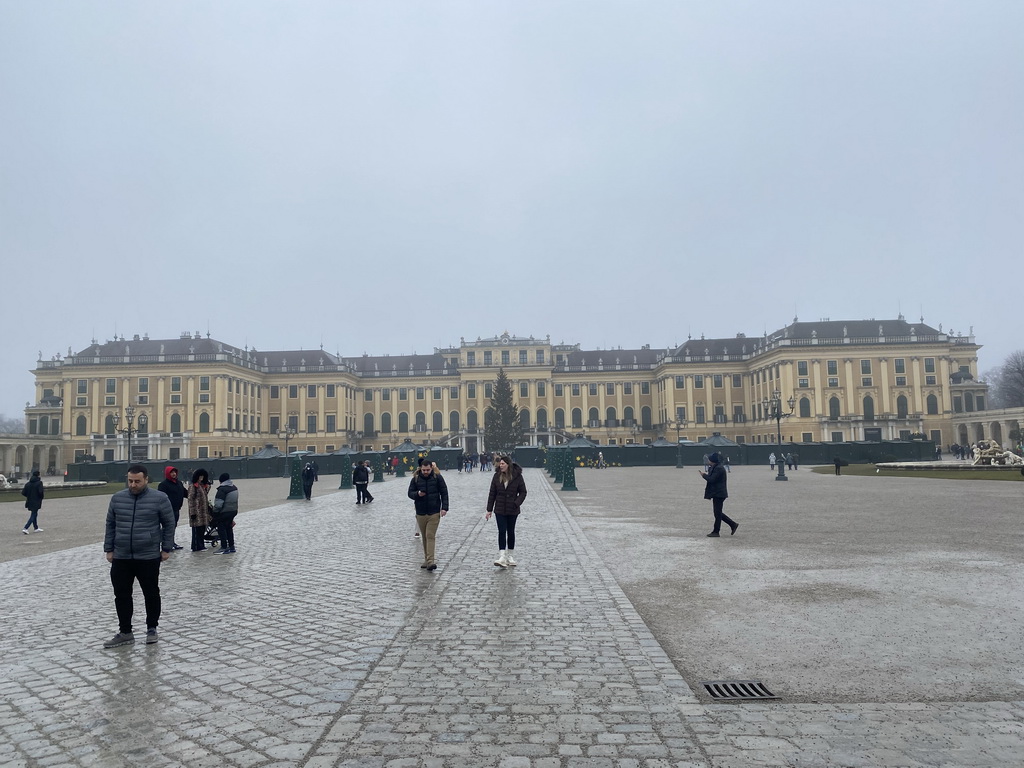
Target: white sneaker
(39, 530)
(508, 559)
(26, 531)
(501, 561)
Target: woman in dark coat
(33, 493)
(199, 508)
(717, 492)
(507, 494)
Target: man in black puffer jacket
(430, 494)
(139, 536)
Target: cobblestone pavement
(322, 643)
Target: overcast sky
(387, 177)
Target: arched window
(385, 422)
(627, 414)
(833, 408)
(901, 407)
(437, 422)
(805, 407)
(453, 421)
(645, 417)
(542, 418)
(421, 419)
(869, 408)
(932, 405)
(593, 416)
(108, 425)
(403, 422)
(577, 418)
(524, 418)
(80, 425)
(175, 422)
(204, 422)
(367, 423)
(472, 421)
(610, 415)
(559, 418)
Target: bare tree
(1006, 382)
(11, 426)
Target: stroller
(212, 535)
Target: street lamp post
(680, 424)
(129, 429)
(773, 410)
(286, 434)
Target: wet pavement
(322, 643)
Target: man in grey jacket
(139, 536)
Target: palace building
(196, 397)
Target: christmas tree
(502, 430)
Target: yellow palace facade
(196, 397)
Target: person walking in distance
(717, 492)
(225, 507)
(139, 536)
(507, 494)
(33, 493)
(176, 492)
(199, 508)
(308, 478)
(429, 493)
(361, 480)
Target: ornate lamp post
(286, 434)
(773, 410)
(129, 429)
(679, 425)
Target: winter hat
(224, 477)
(715, 458)
(35, 473)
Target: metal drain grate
(734, 690)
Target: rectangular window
(112, 386)
(559, 390)
(645, 387)
(929, 365)
(275, 392)
(175, 399)
(83, 386)
(471, 358)
(542, 389)
(680, 382)
(385, 394)
(698, 381)
(833, 381)
(901, 381)
(275, 425)
(737, 381)
(801, 368)
(488, 390)
(332, 423)
(293, 391)
(865, 381)
(471, 391)
(110, 400)
(523, 357)
(331, 390)
(311, 391)
(204, 397)
(540, 356)
(437, 393)
(144, 384)
(368, 395)
(204, 452)
(833, 367)
(719, 414)
(421, 393)
(293, 423)
(900, 365)
(699, 411)
(806, 437)
(865, 367)
(231, 420)
(837, 437)
(504, 357)
(627, 388)
(593, 390)
(717, 381)
(609, 390)
(680, 413)
(403, 393)
(487, 358)
(575, 390)
(204, 383)
(81, 401)
(803, 383)
(524, 389)
(929, 381)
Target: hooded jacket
(507, 499)
(33, 493)
(436, 491)
(175, 489)
(225, 504)
(139, 526)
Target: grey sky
(391, 176)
